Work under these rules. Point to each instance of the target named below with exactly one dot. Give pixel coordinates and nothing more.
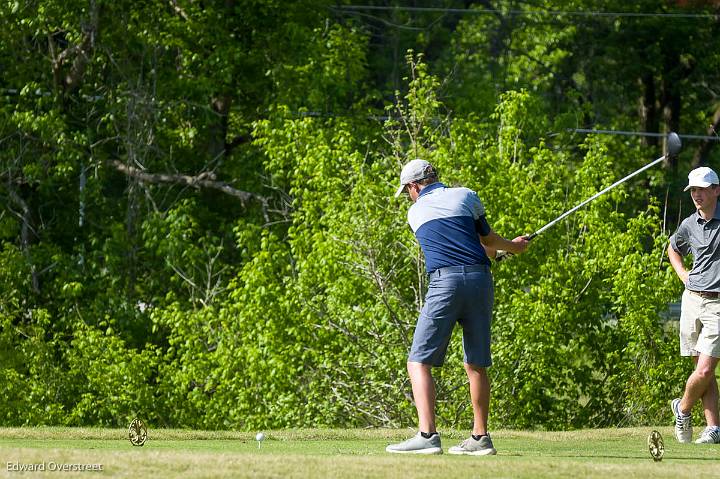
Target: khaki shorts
(699, 326)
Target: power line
(383, 118)
(485, 11)
(641, 133)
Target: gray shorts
(455, 297)
(699, 325)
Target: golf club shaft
(501, 255)
(595, 196)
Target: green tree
(198, 228)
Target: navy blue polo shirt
(443, 220)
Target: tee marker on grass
(137, 432)
(656, 446)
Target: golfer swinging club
(450, 225)
(699, 235)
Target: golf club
(673, 148)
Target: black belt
(706, 294)
(471, 268)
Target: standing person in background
(699, 235)
(450, 225)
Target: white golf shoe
(711, 435)
(683, 423)
(417, 445)
(472, 447)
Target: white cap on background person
(702, 177)
(414, 170)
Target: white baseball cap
(702, 177)
(414, 170)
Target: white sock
(682, 414)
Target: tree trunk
(648, 109)
(25, 229)
(217, 135)
(671, 105)
(701, 154)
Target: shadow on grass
(667, 457)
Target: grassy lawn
(349, 454)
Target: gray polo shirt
(701, 239)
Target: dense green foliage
(198, 224)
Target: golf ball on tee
(260, 437)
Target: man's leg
(710, 400)
(700, 383)
(423, 388)
(479, 396)
(710, 403)
(424, 394)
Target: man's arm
(677, 263)
(493, 242)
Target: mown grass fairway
(349, 453)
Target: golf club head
(673, 144)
